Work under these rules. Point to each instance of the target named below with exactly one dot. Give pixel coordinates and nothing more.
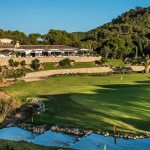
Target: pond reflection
(110, 143)
(115, 140)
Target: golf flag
(115, 129)
(104, 147)
(121, 78)
(32, 119)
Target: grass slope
(116, 63)
(4, 144)
(52, 65)
(111, 62)
(93, 102)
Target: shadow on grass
(61, 109)
(128, 107)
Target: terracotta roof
(7, 46)
(45, 47)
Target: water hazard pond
(91, 142)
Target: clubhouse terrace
(44, 50)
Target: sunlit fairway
(93, 102)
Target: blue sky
(39, 16)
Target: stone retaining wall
(83, 70)
(4, 61)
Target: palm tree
(146, 63)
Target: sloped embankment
(10, 110)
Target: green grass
(24, 146)
(115, 63)
(49, 66)
(52, 65)
(84, 65)
(92, 102)
(111, 62)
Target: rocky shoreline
(40, 129)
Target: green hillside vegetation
(127, 35)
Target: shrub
(65, 63)
(35, 64)
(5, 66)
(11, 62)
(19, 74)
(104, 60)
(105, 51)
(128, 61)
(1, 78)
(23, 63)
(0, 69)
(16, 63)
(7, 107)
(15, 74)
(20, 81)
(97, 74)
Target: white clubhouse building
(5, 41)
(46, 50)
(38, 50)
(42, 50)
